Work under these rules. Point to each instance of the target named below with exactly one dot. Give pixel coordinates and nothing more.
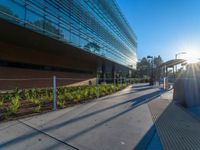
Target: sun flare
(192, 56)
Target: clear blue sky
(164, 27)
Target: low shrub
(37, 109)
(61, 103)
(7, 97)
(65, 96)
(15, 103)
(35, 101)
(1, 103)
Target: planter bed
(23, 103)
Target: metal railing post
(97, 84)
(114, 82)
(54, 94)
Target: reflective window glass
(12, 11)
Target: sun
(192, 56)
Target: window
(12, 11)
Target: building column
(104, 77)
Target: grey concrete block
(179, 94)
(192, 91)
(187, 91)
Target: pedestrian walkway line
(177, 129)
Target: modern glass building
(95, 27)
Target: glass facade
(96, 26)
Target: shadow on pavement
(141, 86)
(134, 103)
(146, 88)
(143, 144)
(151, 140)
(128, 93)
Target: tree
(143, 68)
(157, 69)
(48, 26)
(8, 14)
(92, 47)
(147, 68)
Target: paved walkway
(177, 129)
(116, 122)
(127, 120)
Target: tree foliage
(92, 47)
(7, 13)
(147, 68)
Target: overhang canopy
(173, 62)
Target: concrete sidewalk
(116, 122)
(176, 127)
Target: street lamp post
(152, 60)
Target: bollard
(54, 93)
